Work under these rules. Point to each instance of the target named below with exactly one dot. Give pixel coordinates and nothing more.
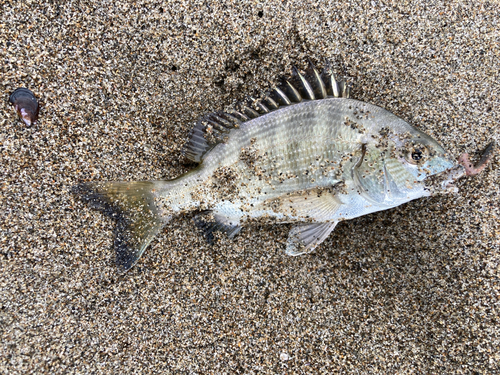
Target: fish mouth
(444, 182)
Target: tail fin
(132, 205)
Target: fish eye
(417, 154)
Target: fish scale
(300, 147)
(306, 154)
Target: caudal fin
(132, 205)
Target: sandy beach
(414, 289)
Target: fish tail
(132, 205)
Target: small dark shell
(25, 104)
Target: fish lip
(444, 181)
(463, 167)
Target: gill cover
(383, 179)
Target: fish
(305, 154)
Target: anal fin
(210, 222)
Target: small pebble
(25, 104)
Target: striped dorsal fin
(214, 128)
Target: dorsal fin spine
(294, 94)
(306, 86)
(317, 84)
(335, 87)
(281, 97)
(230, 118)
(270, 102)
(252, 113)
(219, 119)
(258, 106)
(332, 86)
(240, 116)
(217, 126)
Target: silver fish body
(317, 163)
(314, 163)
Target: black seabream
(306, 154)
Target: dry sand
(410, 290)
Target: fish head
(422, 156)
(393, 166)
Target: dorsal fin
(290, 91)
(209, 131)
(303, 85)
(214, 128)
(316, 82)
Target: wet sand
(414, 289)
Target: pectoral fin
(305, 238)
(312, 204)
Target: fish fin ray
(331, 83)
(304, 238)
(302, 85)
(280, 97)
(210, 222)
(132, 205)
(214, 128)
(209, 131)
(334, 87)
(316, 82)
(313, 204)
